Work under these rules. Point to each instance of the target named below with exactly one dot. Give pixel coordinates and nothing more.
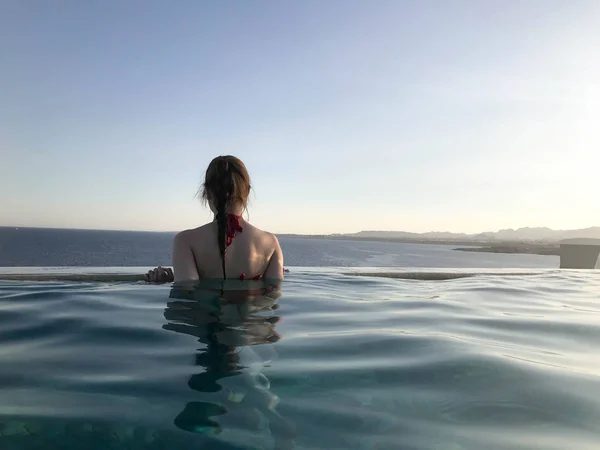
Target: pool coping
(136, 274)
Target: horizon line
(304, 234)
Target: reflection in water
(229, 324)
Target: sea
(47, 247)
(505, 355)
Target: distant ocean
(46, 247)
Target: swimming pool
(338, 362)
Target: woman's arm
(274, 269)
(184, 263)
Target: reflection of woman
(238, 394)
(210, 251)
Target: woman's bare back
(252, 253)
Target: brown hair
(226, 183)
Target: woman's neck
(234, 210)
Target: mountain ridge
(524, 234)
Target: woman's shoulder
(193, 233)
(262, 234)
(207, 231)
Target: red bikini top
(233, 226)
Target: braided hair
(226, 183)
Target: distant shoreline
(546, 250)
(537, 248)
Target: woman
(228, 247)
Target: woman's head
(226, 184)
(226, 189)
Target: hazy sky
(391, 115)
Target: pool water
(335, 362)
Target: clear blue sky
(391, 115)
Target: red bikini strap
(233, 226)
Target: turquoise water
(337, 362)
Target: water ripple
(338, 362)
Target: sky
(462, 116)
